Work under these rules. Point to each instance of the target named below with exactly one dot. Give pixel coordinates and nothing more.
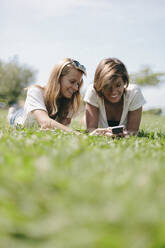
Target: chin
(116, 100)
(113, 100)
(68, 96)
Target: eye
(72, 81)
(118, 85)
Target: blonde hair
(58, 107)
(107, 72)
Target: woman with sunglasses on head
(112, 101)
(53, 105)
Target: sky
(42, 32)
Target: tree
(147, 77)
(13, 79)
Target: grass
(62, 190)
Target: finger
(109, 129)
(110, 134)
(93, 133)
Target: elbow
(133, 132)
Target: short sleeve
(34, 100)
(91, 96)
(137, 100)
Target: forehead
(74, 73)
(114, 81)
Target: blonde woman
(112, 101)
(53, 105)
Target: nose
(75, 87)
(113, 90)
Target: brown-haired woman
(112, 101)
(53, 105)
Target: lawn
(60, 190)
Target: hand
(101, 131)
(108, 132)
(76, 132)
(125, 133)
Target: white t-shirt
(34, 101)
(133, 99)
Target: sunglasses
(78, 66)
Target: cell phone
(117, 129)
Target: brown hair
(109, 70)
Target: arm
(92, 117)
(46, 122)
(134, 118)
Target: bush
(13, 79)
(147, 77)
(156, 111)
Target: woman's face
(70, 83)
(114, 91)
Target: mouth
(70, 93)
(114, 96)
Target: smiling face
(111, 78)
(70, 83)
(113, 91)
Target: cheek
(62, 89)
(63, 85)
(122, 90)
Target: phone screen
(117, 129)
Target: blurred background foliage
(14, 77)
(146, 76)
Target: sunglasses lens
(83, 67)
(78, 65)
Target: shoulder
(91, 89)
(90, 92)
(34, 99)
(35, 90)
(134, 97)
(91, 96)
(132, 90)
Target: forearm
(134, 119)
(52, 124)
(92, 117)
(90, 129)
(46, 122)
(133, 130)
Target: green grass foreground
(61, 190)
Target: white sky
(41, 32)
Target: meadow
(60, 190)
